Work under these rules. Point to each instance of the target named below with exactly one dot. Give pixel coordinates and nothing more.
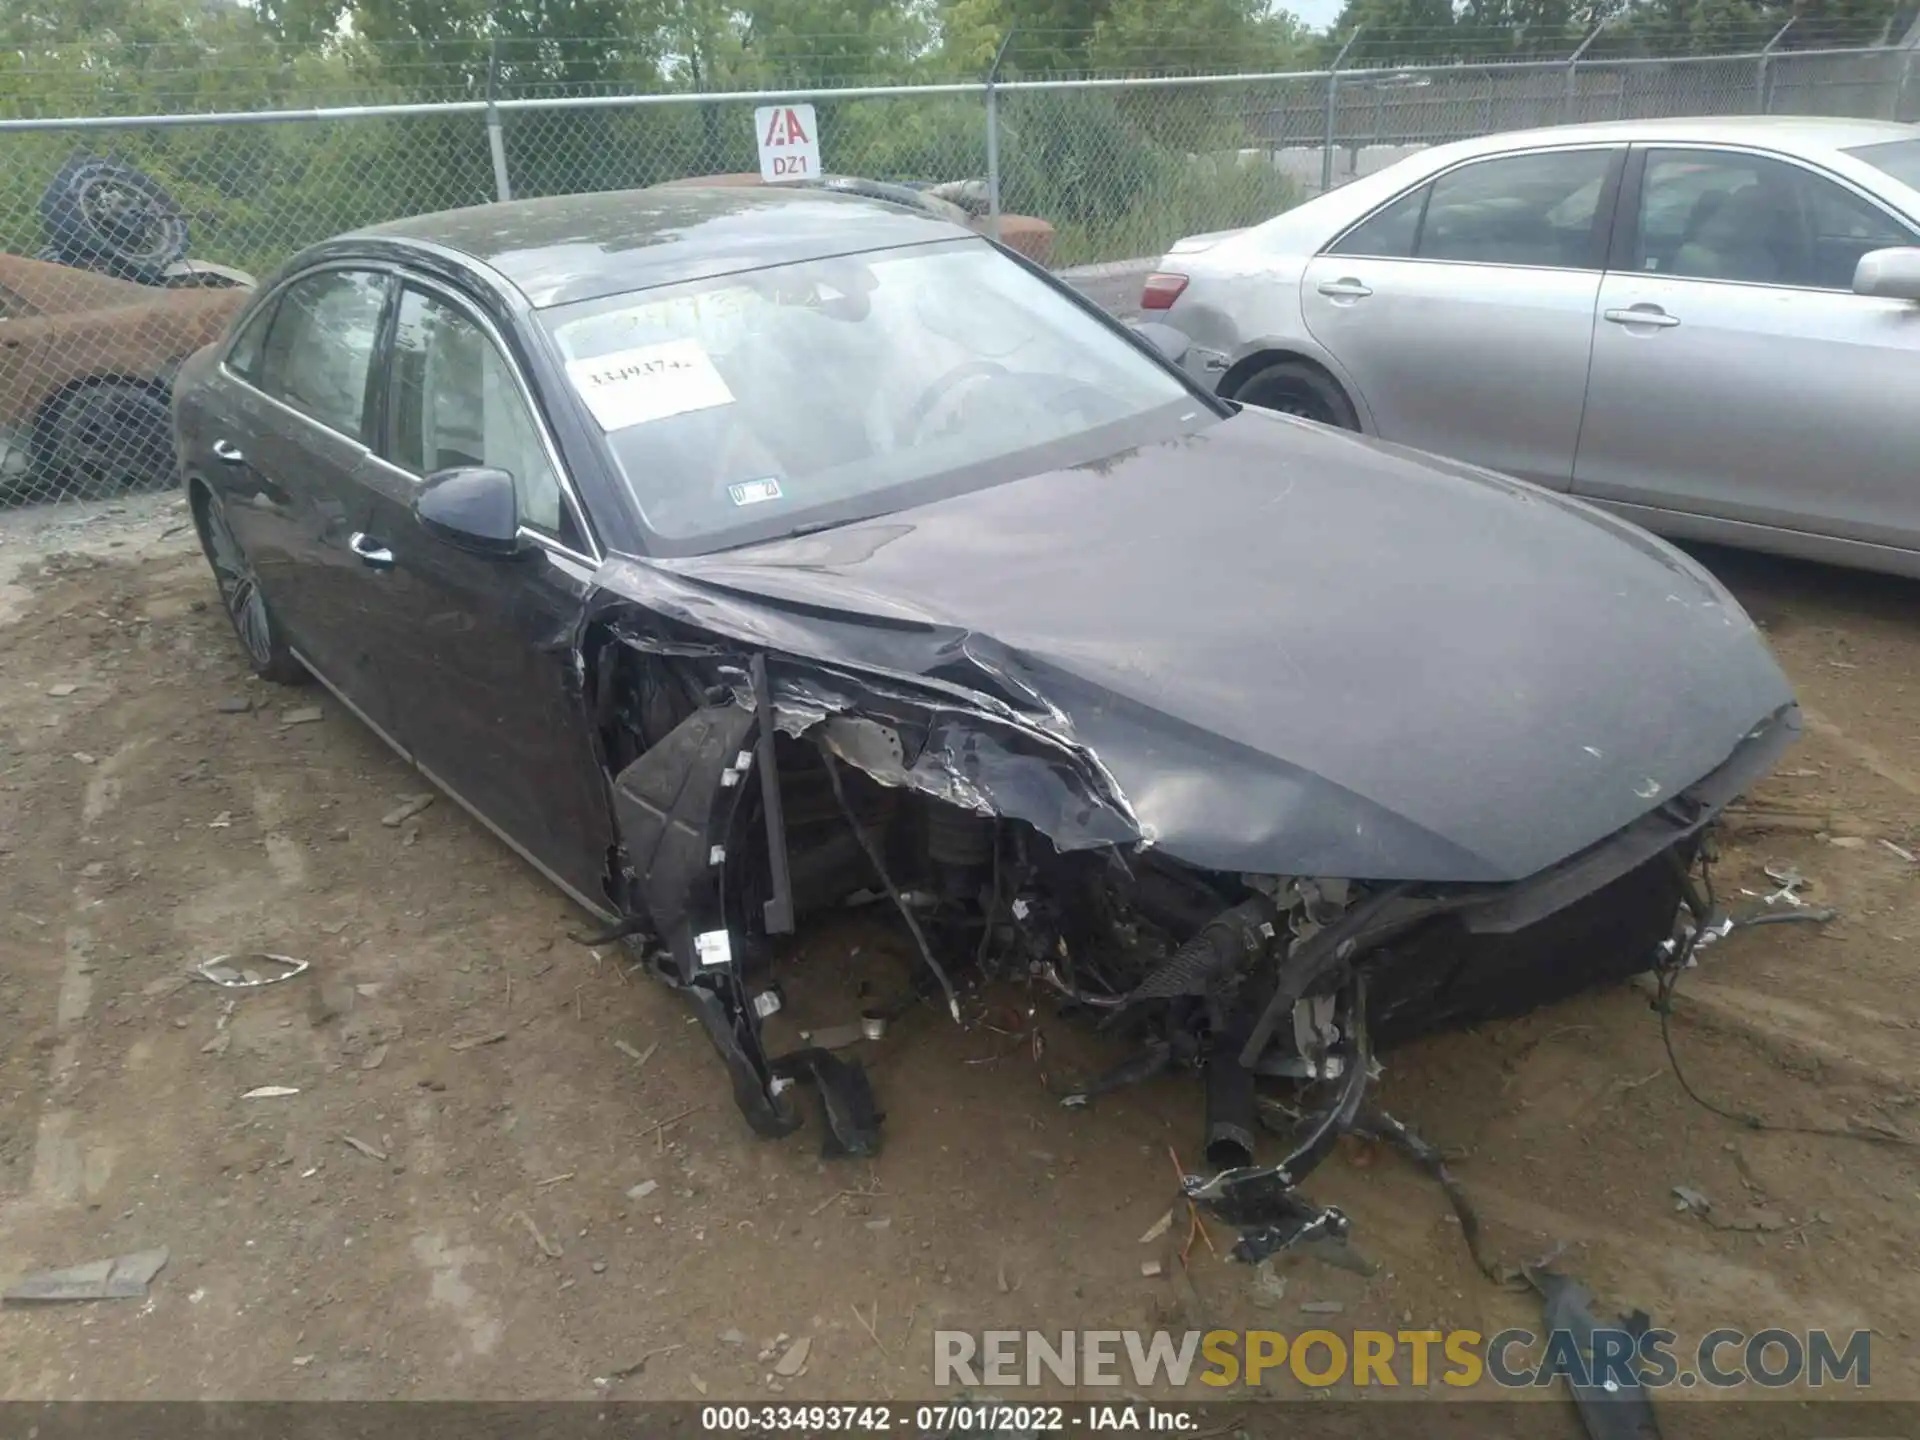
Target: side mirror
(472, 507)
(1171, 343)
(1892, 274)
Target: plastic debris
(306, 715)
(372, 1152)
(795, 1360)
(270, 1092)
(547, 1247)
(244, 972)
(409, 806)
(1158, 1228)
(643, 1189)
(124, 1277)
(1691, 1201)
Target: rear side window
(1387, 234)
(319, 347)
(1532, 210)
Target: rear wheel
(104, 439)
(241, 596)
(1295, 388)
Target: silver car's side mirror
(1892, 274)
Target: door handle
(1345, 288)
(370, 550)
(228, 451)
(1641, 315)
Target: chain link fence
(127, 242)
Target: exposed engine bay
(757, 792)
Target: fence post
(1573, 74)
(1762, 90)
(1908, 44)
(1333, 109)
(993, 135)
(496, 141)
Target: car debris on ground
(124, 1277)
(409, 806)
(249, 972)
(1691, 1201)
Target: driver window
(1722, 215)
(455, 404)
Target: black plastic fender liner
(679, 806)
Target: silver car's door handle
(1345, 289)
(370, 550)
(1641, 315)
(228, 451)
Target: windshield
(755, 404)
(1898, 158)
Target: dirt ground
(476, 1236)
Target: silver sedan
(1710, 326)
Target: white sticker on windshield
(633, 387)
(752, 492)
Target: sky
(1317, 14)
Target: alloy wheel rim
(239, 589)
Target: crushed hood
(1292, 650)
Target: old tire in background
(246, 605)
(104, 438)
(102, 215)
(1294, 387)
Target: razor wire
(128, 242)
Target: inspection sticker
(633, 387)
(752, 492)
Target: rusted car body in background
(86, 370)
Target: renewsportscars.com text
(1461, 1359)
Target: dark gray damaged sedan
(730, 553)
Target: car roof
(1804, 135)
(582, 247)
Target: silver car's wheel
(1293, 387)
(241, 596)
